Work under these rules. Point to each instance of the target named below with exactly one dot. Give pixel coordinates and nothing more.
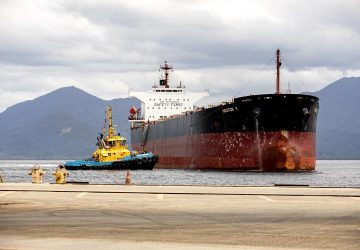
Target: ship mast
(111, 131)
(166, 67)
(278, 65)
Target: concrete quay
(73, 216)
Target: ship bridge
(163, 101)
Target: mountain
(64, 124)
(59, 125)
(338, 127)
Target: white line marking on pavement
(160, 196)
(265, 198)
(80, 195)
(6, 193)
(355, 198)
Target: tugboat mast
(111, 131)
(278, 65)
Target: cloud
(106, 47)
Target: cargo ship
(267, 132)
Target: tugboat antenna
(278, 65)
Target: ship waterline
(237, 151)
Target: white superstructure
(163, 101)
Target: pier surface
(73, 216)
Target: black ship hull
(271, 132)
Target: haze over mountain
(61, 124)
(64, 124)
(338, 125)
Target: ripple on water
(328, 173)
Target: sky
(106, 47)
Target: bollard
(36, 174)
(60, 175)
(1, 179)
(128, 178)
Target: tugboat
(113, 152)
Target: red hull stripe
(270, 151)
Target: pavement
(73, 216)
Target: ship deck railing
(196, 109)
(214, 105)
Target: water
(328, 173)
(259, 151)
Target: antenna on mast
(166, 67)
(278, 65)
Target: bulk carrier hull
(274, 132)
